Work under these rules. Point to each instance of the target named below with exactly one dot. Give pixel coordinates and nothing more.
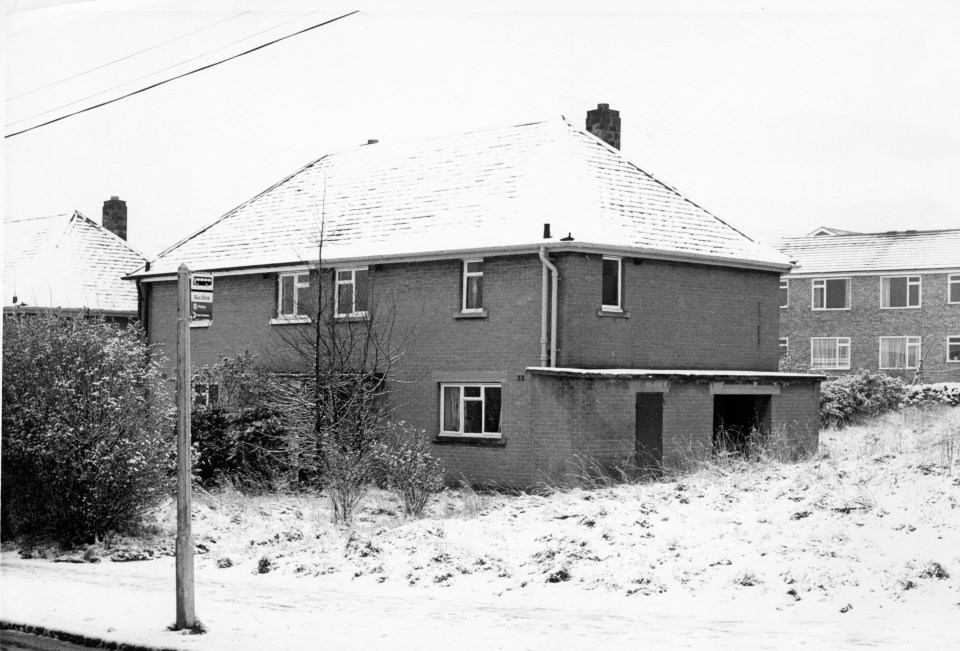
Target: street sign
(201, 297)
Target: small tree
(408, 467)
(87, 427)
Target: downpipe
(554, 279)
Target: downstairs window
(470, 410)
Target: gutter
(518, 249)
(554, 279)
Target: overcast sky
(777, 117)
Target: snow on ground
(860, 545)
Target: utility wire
(157, 72)
(180, 76)
(49, 20)
(129, 56)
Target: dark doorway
(739, 422)
(650, 434)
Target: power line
(180, 76)
(129, 56)
(156, 72)
(49, 20)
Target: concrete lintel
(729, 388)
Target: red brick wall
(680, 316)
(865, 322)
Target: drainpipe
(554, 278)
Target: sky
(777, 117)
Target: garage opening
(740, 423)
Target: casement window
(612, 284)
(900, 291)
(470, 410)
(292, 295)
(830, 353)
(472, 286)
(351, 291)
(899, 352)
(953, 288)
(784, 346)
(784, 292)
(953, 349)
(831, 294)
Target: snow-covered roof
(640, 373)
(484, 191)
(68, 262)
(874, 252)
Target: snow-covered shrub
(851, 398)
(941, 393)
(408, 468)
(87, 427)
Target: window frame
(483, 409)
(354, 313)
(604, 307)
(910, 343)
(953, 279)
(838, 343)
(295, 316)
(466, 275)
(784, 346)
(953, 340)
(918, 283)
(785, 284)
(823, 281)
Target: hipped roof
(874, 252)
(67, 262)
(487, 191)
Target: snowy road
(134, 603)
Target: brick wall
(680, 316)
(795, 420)
(865, 322)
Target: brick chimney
(605, 124)
(115, 217)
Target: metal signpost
(194, 303)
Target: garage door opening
(739, 423)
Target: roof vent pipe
(546, 231)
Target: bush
(238, 435)
(87, 428)
(408, 467)
(941, 393)
(851, 398)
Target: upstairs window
(472, 286)
(831, 294)
(899, 352)
(612, 283)
(900, 291)
(470, 410)
(830, 353)
(953, 288)
(292, 295)
(351, 291)
(784, 292)
(953, 349)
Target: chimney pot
(604, 123)
(546, 231)
(372, 141)
(115, 217)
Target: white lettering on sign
(201, 282)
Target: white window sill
(289, 320)
(471, 314)
(902, 307)
(830, 309)
(355, 316)
(610, 312)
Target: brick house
(68, 263)
(557, 304)
(878, 301)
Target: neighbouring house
(879, 301)
(560, 308)
(69, 264)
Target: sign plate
(201, 297)
(201, 282)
